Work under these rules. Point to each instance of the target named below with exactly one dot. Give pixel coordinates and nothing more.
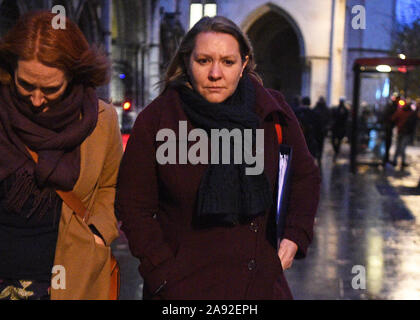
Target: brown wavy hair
(34, 38)
(177, 70)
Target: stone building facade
(302, 47)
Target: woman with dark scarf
(48, 106)
(206, 229)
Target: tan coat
(86, 264)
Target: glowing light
(122, 76)
(383, 68)
(210, 9)
(127, 105)
(385, 90)
(402, 56)
(378, 94)
(401, 103)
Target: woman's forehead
(35, 72)
(216, 43)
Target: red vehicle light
(127, 106)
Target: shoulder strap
(279, 133)
(279, 129)
(69, 197)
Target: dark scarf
(226, 194)
(55, 135)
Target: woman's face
(39, 84)
(215, 66)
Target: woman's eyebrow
(23, 81)
(228, 56)
(53, 87)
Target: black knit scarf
(55, 135)
(227, 195)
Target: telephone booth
(372, 92)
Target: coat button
(251, 265)
(254, 227)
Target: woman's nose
(37, 98)
(215, 72)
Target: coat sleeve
(138, 203)
(305, 186)
(103, 214)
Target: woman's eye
(26, 86)
(229, 62)
(202, 61)
(48, 91)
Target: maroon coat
(405, 120)
(156, 204)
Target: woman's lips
(214, 89)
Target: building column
(306, 77)
(336, 72)
(152, 57)
(318, 77)
(106, 21)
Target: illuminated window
(199, 9)
(210, 9)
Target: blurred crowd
(320, 122)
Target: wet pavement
(367, 236)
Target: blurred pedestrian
(416, 108)
(405, 120)
(339, 117)
(296, 104)
(207, 231)
(49, 110)
(322, 125)
(389, 125)
(310, 124)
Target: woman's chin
(215, 97)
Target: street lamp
(383, 68)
